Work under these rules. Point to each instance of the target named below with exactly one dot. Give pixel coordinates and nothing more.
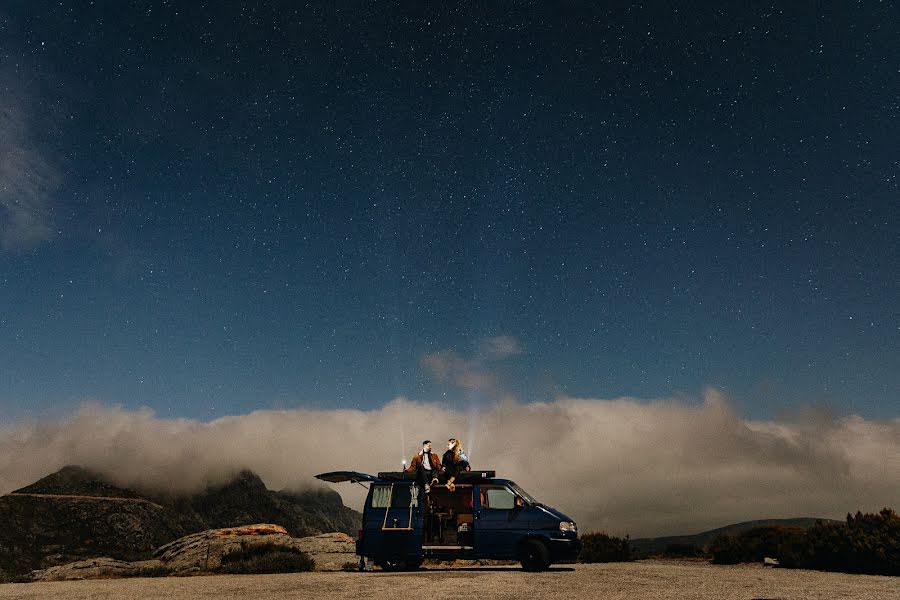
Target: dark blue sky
(208, 209)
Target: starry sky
(210, 208)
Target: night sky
(212, 208)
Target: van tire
(413, 564)
(534, 555)
(391, 565)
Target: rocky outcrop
(202, 553)
(204, 550)
(42, 530)
(331, 551)
(100, 568)
(76, 514)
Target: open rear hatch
(342, 476)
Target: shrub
(866, 543)
(726, 550)
(600, 547)
(682, 551)
(754, 544)
(266, 558)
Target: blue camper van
(485, 517)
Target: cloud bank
(624, 466)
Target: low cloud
(624, 466)
(501, 346)
(475, 373)
(449, 367)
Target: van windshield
(525, 495)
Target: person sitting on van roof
(426, 465)
(454, 462)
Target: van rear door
(400, 503)
(393, 529)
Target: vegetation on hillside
(754, 544)
(865, 543)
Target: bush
(601, 548)
(726, 550)
(266, 558)
(866, 543)
(682, 551)
(754, 544)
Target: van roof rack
(464, 477)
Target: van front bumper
(564, 550)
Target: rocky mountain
(77, 481)
(245, 500)
(75, 514)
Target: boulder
(204, 550)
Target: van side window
(402, 496)
(498, 498)
(381, 495)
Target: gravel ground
(642, 579)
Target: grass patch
(266, 558)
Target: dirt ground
(642, 579)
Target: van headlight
(565, 526)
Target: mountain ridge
(77, 513)
(73, 480)
(642, 547)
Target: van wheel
(392, 565)
(413, 564)
(534, 556)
